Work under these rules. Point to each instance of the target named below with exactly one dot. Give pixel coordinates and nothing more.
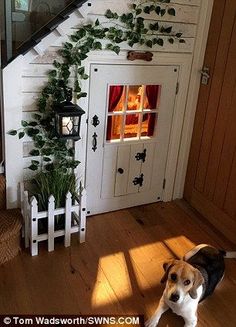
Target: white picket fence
(75, 220)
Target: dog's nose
(174, 297)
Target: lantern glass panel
(70, 125)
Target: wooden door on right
(211, 177)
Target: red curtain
(152, 94)
(115, 93)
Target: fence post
(26, 218)
(51, 222)
(68, 220)
(82, 215)
(34, 226)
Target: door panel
(134, 105)
(211, 178)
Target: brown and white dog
(189, 281)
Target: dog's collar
(204, 274)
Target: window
(132, 112)
(22, 5)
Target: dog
(189, 281)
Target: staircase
(27, 22)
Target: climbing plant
(140, 25)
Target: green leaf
(68, 45)
(158, 10)
(178, 34)
(168, 29)
(154, 27)
(80, 33)
(116, 49)
(82, 95)
(182, 41)
(33, 167)
(21, 135)
(47, 151)
(97, 22)
(152, 8)
(47, 159)
(74, 38)
(109, 14)
(97, 46)
(71, 152)
(160, 42)
(162, 12)
(35, 162)
(37, 116)
(32, 123)
(56, 64)
(49, 167)
(24, 123)
(32, 131)
(77, 87)
(81, 70)
(12, 132)
(149, 43)
(34, 152)
(52, 73)
(85, 76)
(146, 10)
(171, 40)
(171, 11)
(138, 11)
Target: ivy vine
(139, 26)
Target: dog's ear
(166, 266)
(198, 280)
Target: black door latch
(95, 121)
(138, 180)
(141, 155)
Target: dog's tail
(228, 254)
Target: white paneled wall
(39, 60)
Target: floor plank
(118, 269)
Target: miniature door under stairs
(130, 115)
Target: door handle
(94, 142)
(205, 72)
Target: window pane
(148, 124)
(131, 126)
(114, 124)
(135, 97)
(22, 5)
(117, 95)
(152, 95)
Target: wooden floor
(118, 269)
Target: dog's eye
(173, 277)
(187, 282)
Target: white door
(130, 115)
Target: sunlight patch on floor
(112, 268)
(178, 244)
(122, 274)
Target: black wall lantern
(68, 118)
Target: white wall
(31, 75)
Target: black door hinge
(164, 183)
